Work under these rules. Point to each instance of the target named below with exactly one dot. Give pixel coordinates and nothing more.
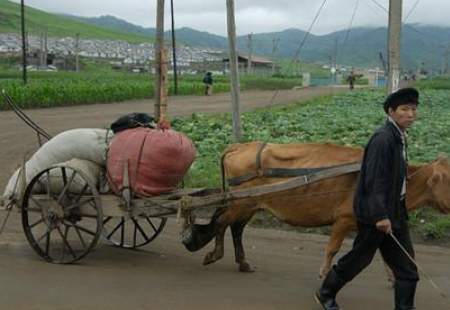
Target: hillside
(185, 34)
(58, 26)
(359, 47)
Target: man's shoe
(326, 295)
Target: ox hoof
(246, 267)
(210, 258)
(323, 273)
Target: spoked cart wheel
(62, 214)
(133, 232)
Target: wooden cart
(64, 221)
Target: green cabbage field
(345, 118)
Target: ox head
(438, 184)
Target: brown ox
(322, 203)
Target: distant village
(59, 54)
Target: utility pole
(159, 46)
(41, 50)
(394, 40)
(45, 46)
(77, 44)
(335, 52)
(443, 60)
(249, 56)
(448, 59)
(234, 72)
(174, 54)
(432, 58)
(274, 48)
(24, 44)
(335, 59)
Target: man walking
(208, 81)
(379, 207)
(351, 80)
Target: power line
(407, 25)
(299, 49)
(412, 9)
(351, 22)
(380, 6)
(350, 26)
(307, 35)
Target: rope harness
(277, 172)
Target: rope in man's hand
(421, 270)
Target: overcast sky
(255, 16)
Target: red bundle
(157, 160)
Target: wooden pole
(159, 43)
(77, 44)
(394, 41)
(45, 45)
(174, 54)
(443, 60)
(448, 60)
(24, 44)
(164, 82)
(274, 48)
(234, 72)
(335, 60)
(432, 65)
(41, 49)
(250, 52)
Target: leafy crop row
(345, 118)
(47, 89)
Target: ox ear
(433, 180)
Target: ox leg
(339, 230)
(237, 230)
(195, 236)
(218, 251)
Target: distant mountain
(113, 22)
(185, 34)
(421, 45)
(357, 47)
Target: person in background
(380, 208)
(351, 80)
(208, 81)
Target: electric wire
(410, 11)
(297, 53)
(351, 22)
(347, 35)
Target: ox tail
(230, 149)
(222, 169)
(196, 236)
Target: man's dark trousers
(366, 243)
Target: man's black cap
(400, 97)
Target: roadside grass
(433, 83)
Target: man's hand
(384, 226)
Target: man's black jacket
(378, 190)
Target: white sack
(92, 172)
(86, 144)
